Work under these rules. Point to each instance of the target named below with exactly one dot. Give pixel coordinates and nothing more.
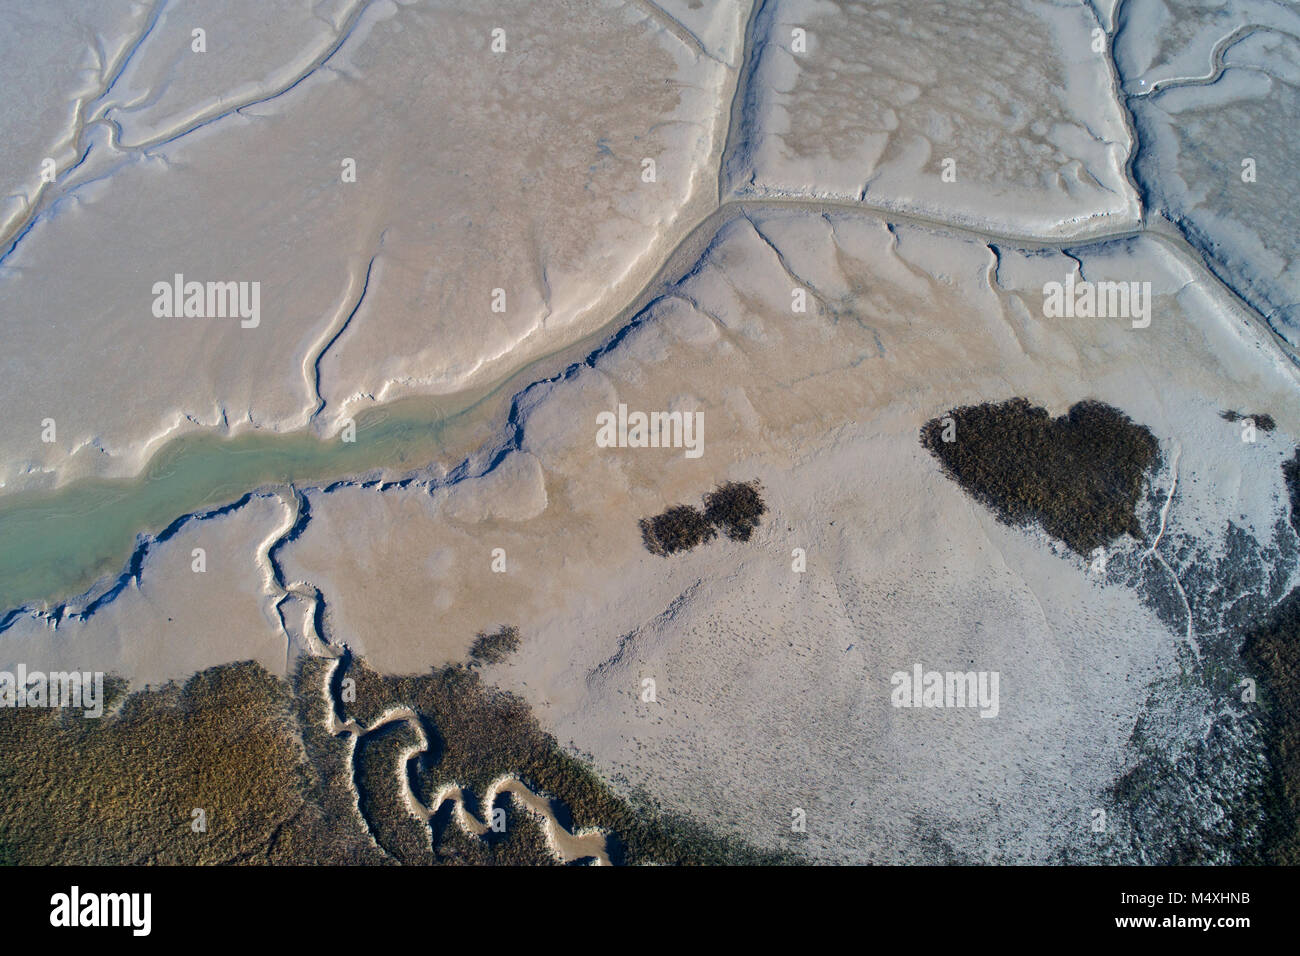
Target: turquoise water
(55, 544)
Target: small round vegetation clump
(678, 529)
(735, 508)
(495, 647)
(1079, 475)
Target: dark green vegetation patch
(734, 508)
(1263, 421)
(1079, 475)
(124, 788)
(680, 528)
(495, 647)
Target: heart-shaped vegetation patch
(1078, 475)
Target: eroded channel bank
(58, 543)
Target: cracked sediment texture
(475, 171)
(866, 102)
(68, 74)
(1214, 90)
